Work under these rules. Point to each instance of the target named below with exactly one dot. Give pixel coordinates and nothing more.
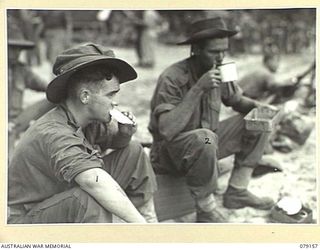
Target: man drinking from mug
(188, 137)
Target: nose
(220, 56)
(114, 104)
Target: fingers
(215, 77)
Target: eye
(112, 94)
(108, 76)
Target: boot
(240, 198)
(237, 195)
(207, 211)
(213, 216)
(148, 211)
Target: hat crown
(206, 24)
(73, 56)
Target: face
(212, 52)
(101, 103)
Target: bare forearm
(107, 192)
(245, 105)
(173, 122)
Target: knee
(204, 138)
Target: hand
(267, 106)
(210, 80)
(128, 129)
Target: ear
(195, 49)
(84, 96)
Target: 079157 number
(308, 246)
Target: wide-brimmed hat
(16, 37)
(207, 28)
(82, 56)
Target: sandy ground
(299, 176)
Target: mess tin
(228, 72)
(119, 117)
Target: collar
(70, 118)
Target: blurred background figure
(20, 76)
(148, 24)
(57, 32)
(31, 26)
(262, 82)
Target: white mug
(228, 72)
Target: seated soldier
(58, 173)
(188, 138)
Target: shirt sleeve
(169, 95)
(70, 153)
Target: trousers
(129, 166)
(195, 153)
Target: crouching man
(58, 173)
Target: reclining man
(58, 173)
(188, 137)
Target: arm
(107, 192)
(232, 96)
(112, 135)
(174, 121)
(33, 81)
(73, 160)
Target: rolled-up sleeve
(70, 154)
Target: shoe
(210, 217)
(240, 198)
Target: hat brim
(207, 34)
(25, 44)
(56, 90)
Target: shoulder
(53, 124)
(177, 72)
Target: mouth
(109, 118)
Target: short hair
(90, 77)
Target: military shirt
(174, 83)
(53, 151)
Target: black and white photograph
(171, 116)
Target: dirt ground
(298, 178)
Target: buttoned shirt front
(174, 83)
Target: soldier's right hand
(210, 80)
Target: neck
(78, 113)
(198, 66)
